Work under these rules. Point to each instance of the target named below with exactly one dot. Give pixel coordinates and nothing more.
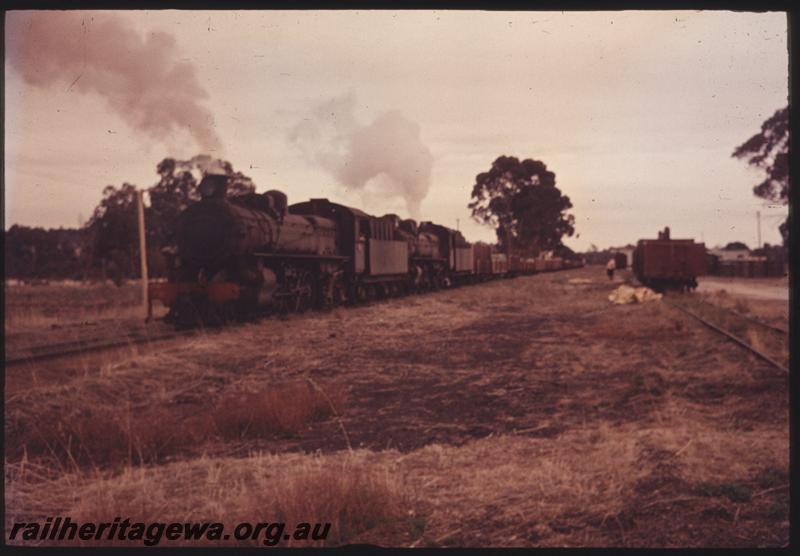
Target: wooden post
(758, 225)
(143, 255)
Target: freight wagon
(665, 263)
(482, 259)
(499, 264)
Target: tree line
(517, 198)
(107, 246)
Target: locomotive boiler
(237, 257)
(216, 230)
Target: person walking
(611, 266)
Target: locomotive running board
(383, 278)
(291, 256)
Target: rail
(730, 336)
(59, 350)
(746, 317)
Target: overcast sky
(637, 113)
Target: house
(725, 255)
(626, 250)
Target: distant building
(730, 254)
(735, 260)
(626, 250)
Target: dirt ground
(522, 412)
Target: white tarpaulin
(628, 294)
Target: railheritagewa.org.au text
(64, 529)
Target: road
(745, 287)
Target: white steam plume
(141, 78)
(387, 153)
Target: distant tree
(41, 253)
(564, 252)
(769, 151)
(735, 246)
(521, 201)
(177, 188)
(113, 227)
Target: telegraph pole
(758, 221)
(143, 253)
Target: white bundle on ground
(627, 294)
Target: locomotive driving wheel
(303, 292)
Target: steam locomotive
(237, 257)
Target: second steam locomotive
(238, 256)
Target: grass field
(524, 412)
(57, 311)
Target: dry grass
(348, 491)
(104, 438)
(26, 319)
(62, 304)
(147, 406)
(284, 409)
(742, 306)
(592, 487)
(102, 435)
(518, 413)
(770, 311)
(769, 342)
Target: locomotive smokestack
(213, 186)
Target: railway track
(730, 335)
(59, 350)
(746, 317)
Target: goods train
(666, 263)
(236, 257)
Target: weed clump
(108, 436)
(285, 409)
